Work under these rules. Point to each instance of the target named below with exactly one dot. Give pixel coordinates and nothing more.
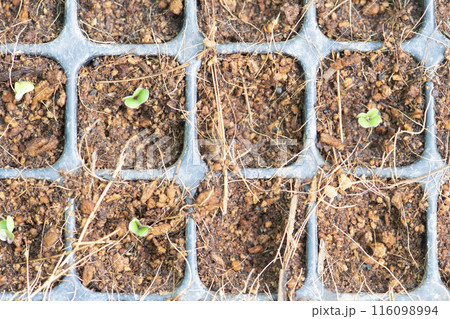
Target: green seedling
(137, 228)
(6, 230)
(139, 96)
(22, 87)
(369, 119)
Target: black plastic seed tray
(72, 50)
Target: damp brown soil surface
(29, 21)
(113, 260)
(369, 20)
(443, 233)
(249, 21)
(441, 95)
(350, 83)
(150, 136)
(241, 248)
(443, 16)
(131, 21)
(372, 235)
(249, 111)
(37, 208)
(32, 129)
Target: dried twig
(338, 74)
(105, 191)
(290, 242)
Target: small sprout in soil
(369, 119)
(22, 87)
(137, 228)
(6, 230)
(139, 96)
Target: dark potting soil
(32, 129)
(372, 235)
(241, 248)
(150, 136)
(350, 83)
(111, 258)
(131, 21)
(249, 21)
(441, 95)
(30, 21)
(250, 108)
(443, 229)
(369, 20)
(443, 16)
(37, 208)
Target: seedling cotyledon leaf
(139, 96)
(6, 230)
(369, 119)
(22, 87)
(137, 228)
